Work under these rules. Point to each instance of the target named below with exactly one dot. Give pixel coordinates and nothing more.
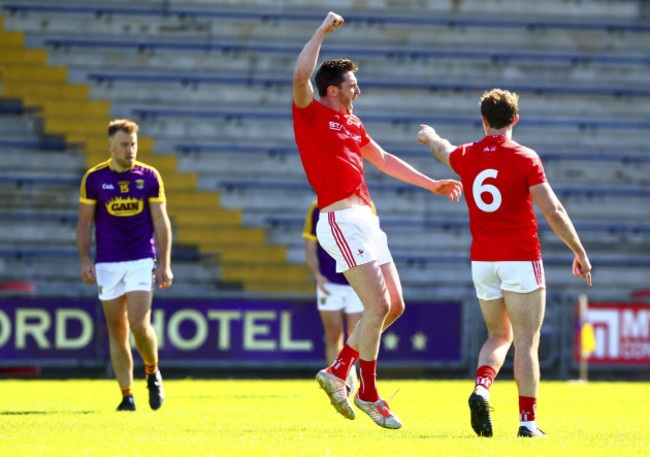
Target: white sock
(530, 425)
(483, 392)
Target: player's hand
(88, 273)
(321, 281)
(582, 268)
(165, 278)
(449, 187)
(426, 132)
(331, 22)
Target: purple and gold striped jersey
(123, 224)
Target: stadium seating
(210, 85)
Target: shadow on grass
(29, 413)
(446, 436)
(230, 395)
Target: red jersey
(496, 173)
(330, 149)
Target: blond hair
(126, 125)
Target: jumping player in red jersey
(333, 143)
(503, 178)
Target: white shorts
(114, 279)
(352, 236)
(491, 278)
(342, 297)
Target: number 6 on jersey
(478, 189)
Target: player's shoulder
(100, 166)
(144, 168)
(465, 148)
(302, 110)
(521, 150)
(97, 169)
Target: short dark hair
(330, 73)
(126, 125)
(499, 107)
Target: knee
(376, 311)
(527, 343)
(139, 328)
(117, 328)
(396, 309)
(504, 336)
(382, 309)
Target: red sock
(346, 358)
(485, 376)
(368, 376)
(527, 407)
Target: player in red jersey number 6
(333, 144)
(503, 178)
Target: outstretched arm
(303, 91)
(559, 220)
(397, 168)
(440, 147)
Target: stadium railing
(396, 119)
(292, 185)
(188, 253)
(27, 180)
(432, 86)
(350, 17)
(11, 106)
(619, 227)
(278, 150)
(40, 144)
(411, 53)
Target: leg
(351, 321)
(394, 286)
(146, 340)
(118, 336)
(380, 291)
(493, 354)
(495, 349)
(139, 313)
(333, 326)
(526, 312)
(368, 282)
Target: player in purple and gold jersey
(125, 200)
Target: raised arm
(397, 168)
(303, 91)
(559, 220)
(440, 147)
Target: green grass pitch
(294, 418)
